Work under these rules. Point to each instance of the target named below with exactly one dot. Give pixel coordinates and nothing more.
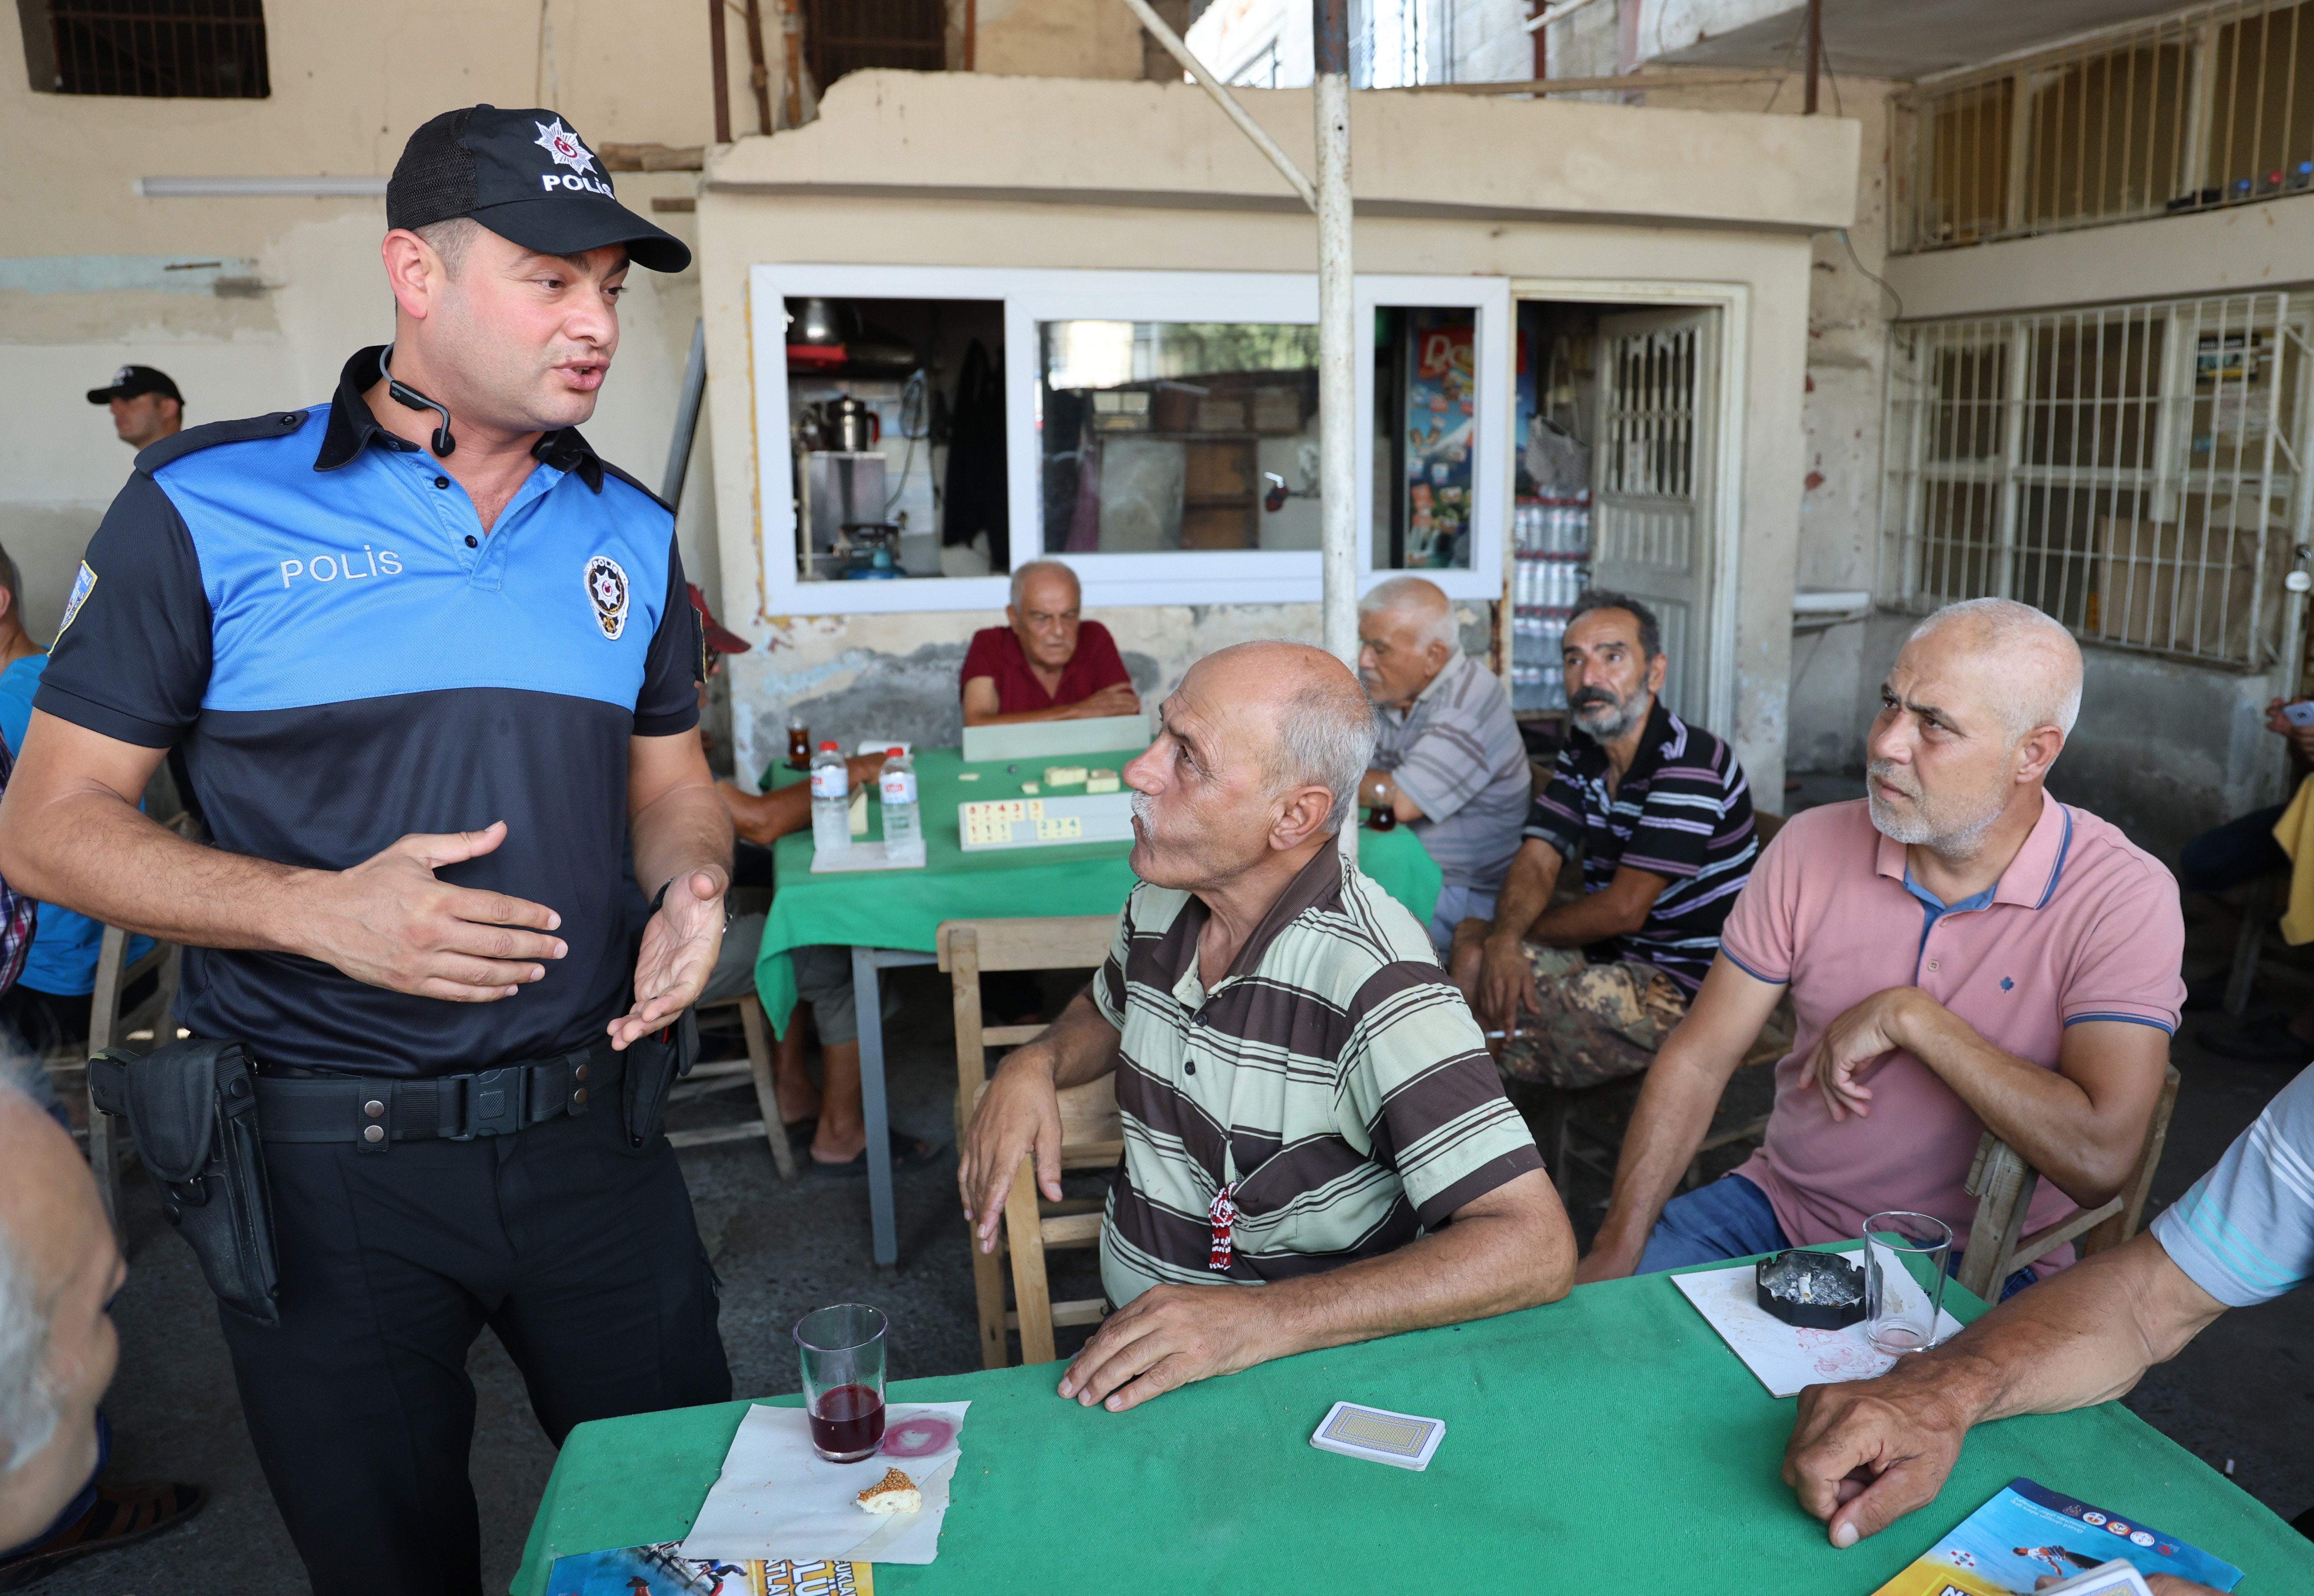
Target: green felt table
(902, 909)
(1609, 1443)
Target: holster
(654, 1064)
(191, 1108)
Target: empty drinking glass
(842, 1353)
(1904, 1257)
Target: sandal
(908, 1153)
(122, 1514)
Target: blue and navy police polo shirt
(315, 612)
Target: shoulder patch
(612, 471)
(209, 434)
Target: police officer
(433, 663)
(146, 405)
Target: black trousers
(579, 1251)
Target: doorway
(1621, 485)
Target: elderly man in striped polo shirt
(1308, 1104)
(1448, 760)
(1662, 815)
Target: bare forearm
(1025, 717)
(765, 817)
(1078, 1046)
(1534, 877)
(91, 851)
(1475, 1268)
(684, 828)
(1592, 917)
(1674, 1110)
(2085, 1335)
(2079, 1146)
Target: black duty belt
(370, 1112)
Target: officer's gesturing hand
(389, 922)
(678, 953)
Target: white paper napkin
(778, 1499)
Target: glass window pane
(1164, 435)
(882, 493)
(1425, 435)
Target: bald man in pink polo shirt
(1963, 951)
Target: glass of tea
(842, 1353)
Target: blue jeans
(2232, 854)
(1731, 1219)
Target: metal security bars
(2205, 107)
(206, 49)
(2136, 471)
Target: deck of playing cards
(1401, 1440)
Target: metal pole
(686, 418)
(1337, 349)
(1164, 33)
(1815, 50)
(1338, 504)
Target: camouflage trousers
(1598, 1022)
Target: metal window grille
(2205, 108)
(843, 36)
(205, 50)
(2136, 471)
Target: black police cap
(130, 381)
(528, 177)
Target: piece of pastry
(895, 1493)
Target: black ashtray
(1812, 1291)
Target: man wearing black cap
(432, 665)
(146, 405)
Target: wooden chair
(1090, 1136)
(707, 1078)
(2003, 1184)
(108, 1025)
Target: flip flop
(908, 1153)
(122, 1515)
(801, 1131)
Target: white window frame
(1251, 575)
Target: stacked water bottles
(1550, 542)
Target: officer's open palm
(678, 954)
(390, 922)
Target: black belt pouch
(654, 1063)
(191, 1108)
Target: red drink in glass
(847, 1424)
(842, 1352)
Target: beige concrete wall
(299, 285)
(1841, 415)
(825, 193)
(2245, 247)
(1083, 38)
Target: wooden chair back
(714, 1077)
(1092, 1136)
(109, 1024)
(2002, 1183)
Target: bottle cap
(828, 748)
(895, 753)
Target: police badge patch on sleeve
(85, 583)
(606, 590)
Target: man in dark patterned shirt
(1663, 815)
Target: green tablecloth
(1609, 1442)
(903, 908)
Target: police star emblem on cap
(563, 144)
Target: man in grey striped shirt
(1662, 815)
(1448, 759)
(1308, 1107)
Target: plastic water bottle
(904, 839)
(831, 802)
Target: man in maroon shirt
(1046, 664)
